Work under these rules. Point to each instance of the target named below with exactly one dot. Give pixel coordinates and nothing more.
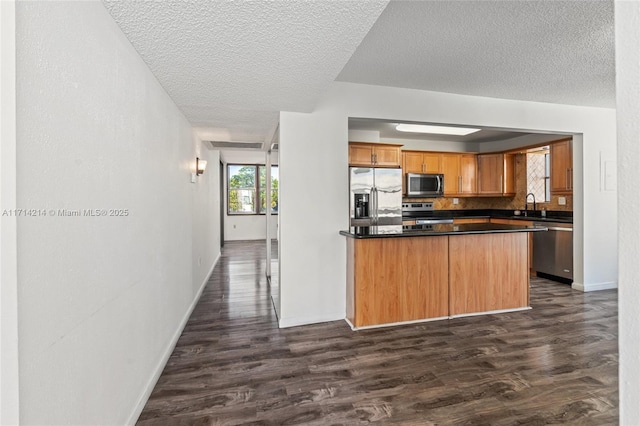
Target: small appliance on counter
(375, 196)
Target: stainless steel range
(423, 214)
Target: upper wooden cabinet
(374, 155)
(561, 167)
(421, 162)
(496, 175)
(460, 175)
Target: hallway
(556, 363)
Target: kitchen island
(401, 274)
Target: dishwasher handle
(550, 227)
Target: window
(274, 189)
(247, 185)
(538, 175)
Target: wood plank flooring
(554, 364)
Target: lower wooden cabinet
(395, 280)
(488, 272)
(392, 280)
(521, 223)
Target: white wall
(9, 373)
(628, 108)
(101, 299)
(313, 280)
(413, 144)
(519, 142)
(250, 227)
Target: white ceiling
(231, 66)
(547, 51)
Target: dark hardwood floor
(554, 364)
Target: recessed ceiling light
(439, 130)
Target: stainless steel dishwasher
(553, 250)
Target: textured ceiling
(231, 66)
(547, 51)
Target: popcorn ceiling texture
(235, 64)
(547, 51)
(505, 203)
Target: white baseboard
(168, 351)
(294, 322)
(473, 314)
(595, 286)
(393, 324)
(497, 311)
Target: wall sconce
(201, 165)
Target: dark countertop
(551, 216)
(393, 231)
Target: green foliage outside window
(243, 187)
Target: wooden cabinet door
(431, 161)
(360, 155)
(496, 175)
(561, 167)
(490, 169)
(386, 156)
(509, 175)
(451, 171)
(412, 162)
(468, 180)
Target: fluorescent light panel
(438, 130)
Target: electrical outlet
(455, 201)
(562, 201)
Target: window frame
(546, 178)
(256, 188)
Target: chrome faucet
(526, 202)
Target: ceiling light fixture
(438, 130)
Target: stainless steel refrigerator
(375, 196)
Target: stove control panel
(417, 207)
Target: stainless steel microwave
(425, 185)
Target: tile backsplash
(504, 203)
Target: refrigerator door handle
(375, 206)
(374, 202)
(372, 205)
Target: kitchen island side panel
(488, 272)
(397, 280)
